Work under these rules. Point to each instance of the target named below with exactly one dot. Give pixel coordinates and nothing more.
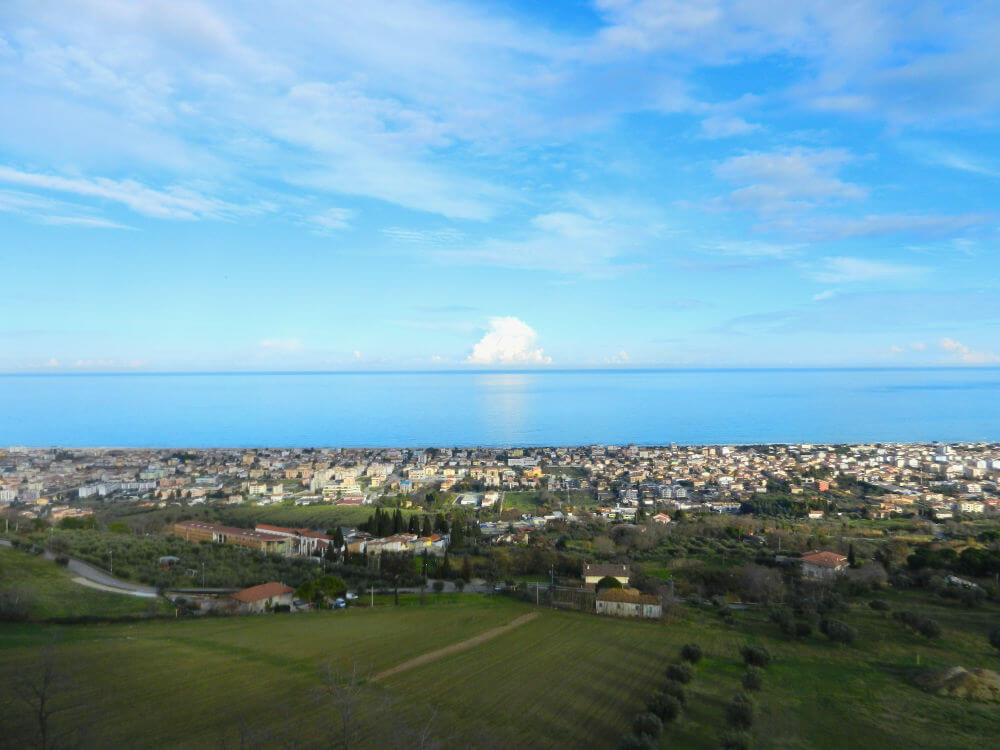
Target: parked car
(339, 603)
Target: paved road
(105, 581)
(108, 582)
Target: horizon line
(513, 371)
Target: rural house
(823, 565)
(594, 573)
(263, 598)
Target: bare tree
(343, 688)
(43, 688)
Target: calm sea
(509, 408)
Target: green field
(561, 680)
(47, 591)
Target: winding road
(94, 577)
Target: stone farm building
(196, 531)
(823, 565)
(263, 598)
(594, 573)
(628, 603)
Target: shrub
(740, 712)
(928, 628)
(647, 725)
(917, 622)
(753, 679)
(682, 673)
(879, 605)
(438, 586)
(631, 742)
(62, 560)
(837, 631)
(667, 707)
(691, 652)
(755, 656)
(803, 629)
(784, 619)
(676, 690)
(995, 638)
(735, 741)
(608, 582)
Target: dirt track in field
(454, 648)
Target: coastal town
(935, 481)
(410, 557)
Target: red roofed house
(823, 565)
(263, 598)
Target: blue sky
(197, 185)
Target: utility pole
(111, 554)
(203, 574)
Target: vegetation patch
(958, 682)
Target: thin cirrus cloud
(837, 270)
(462, 135)
(332, 219)
(722, 126)
(790, 180)
(170, 203)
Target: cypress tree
(426, 529)
(457, 534)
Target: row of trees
(664, 705)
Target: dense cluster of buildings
(619, 481)
(309, 543)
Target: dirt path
(454, 648)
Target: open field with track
(559, 680)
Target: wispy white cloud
(782, 181)
(279, 345)
(836, 227)
(508, 341)
(332, 219)
(109, 364)
(169, 203)
(843, 269)
(589, 237)
(757, 249)
(722, 126)
(52, 212)
(423, 236)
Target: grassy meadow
(46, 591)
(562, 680)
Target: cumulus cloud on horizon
(966, 354)
(508, 341)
